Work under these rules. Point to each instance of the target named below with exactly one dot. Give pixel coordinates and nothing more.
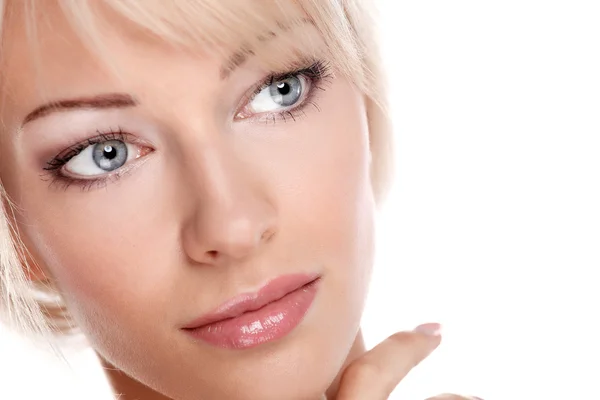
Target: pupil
(109, 152)
(283, 88)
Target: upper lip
(273, 290)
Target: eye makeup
(303, 84)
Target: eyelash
(318, 74)
(54, 166)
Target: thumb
(375, 375)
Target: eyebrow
(245, 52)
(242, 55)
(236, 60)
(100, 102)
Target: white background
(493, 228)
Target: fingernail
(431, 329)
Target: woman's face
(158, 194)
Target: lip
(254, 318)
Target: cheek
(111, 256)
(337, 201)
(332, 204)
(338, 210)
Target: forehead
(230, 29)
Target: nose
(231, 218)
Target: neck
(131, 389)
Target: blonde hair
(347, 26)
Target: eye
(287, 95)
(101, 158)
(278, 95)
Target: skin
(213, 207)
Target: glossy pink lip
(251, 319)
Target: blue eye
(110, 155)
(100, 158)
(96, 160)
(279, 95)
(287, 95)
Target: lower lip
(267, 324)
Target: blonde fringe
(36, 317)
(35, 309)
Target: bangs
(230, 29)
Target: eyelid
(132, 155)
(56, 164)
(56, 175)
(321, 71)
(294, 70)
(101, 136)
(306, 93)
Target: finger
(375, 375)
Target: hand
(448, 396)
(374, 375)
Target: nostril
(212, 254)
(267, 235)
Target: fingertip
(429, 329)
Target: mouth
(251, 319)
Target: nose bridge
(231, 216)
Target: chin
(301, 366)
